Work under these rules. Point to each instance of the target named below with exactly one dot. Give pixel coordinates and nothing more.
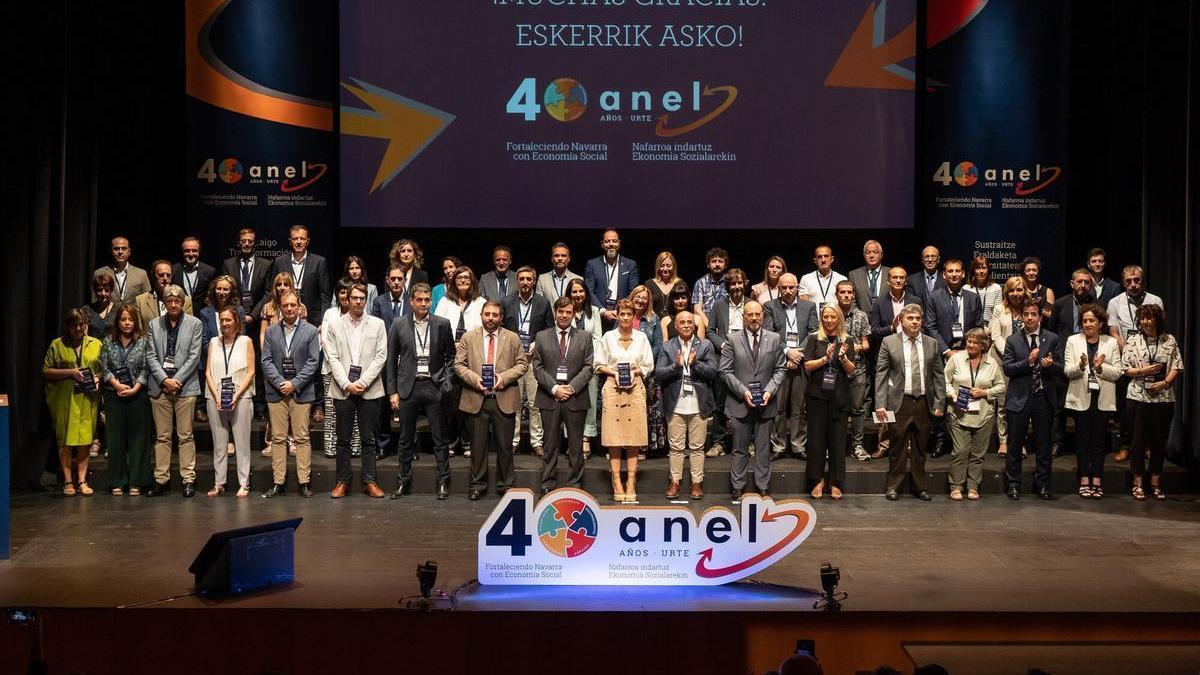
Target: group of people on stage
(945, 358)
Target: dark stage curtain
(93, 140)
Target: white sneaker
(861, 454)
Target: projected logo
(567, 527)
(565, 99)
(634, 545)
(1023, 180)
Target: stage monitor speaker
(234, 562)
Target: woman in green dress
(71, 370)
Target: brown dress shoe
(372, 490)
(1121, 455)
(673, 490)
(697, 491)
(340, 490)
(539, 452)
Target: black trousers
(553, 420)
(1151, 425)
(718, 427)
(1091, 439)
(492, 424)
(366, 410)
(826, 439)
(425, 398)
(1039, 410)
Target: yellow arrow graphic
(408, 126)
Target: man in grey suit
(131, 280)
(562, 365)
(501, 282)
(419, 378)
(356, 351)
(792, 319)
(910, 383)
(870, 280)
(173, 358)
(753, 365)
(685, 369)
(551, 285)
(290, 360)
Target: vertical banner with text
(261, 144)
(995, 122)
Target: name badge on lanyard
(422, 364)
(289, 367)
(422, 359)
(957, 330)
(793, 339)
(829, 382)
(1093, 382)
(526, 339)
(354, 374)
(227, 390)
(686, 388)
(560, 374)
(168, 366)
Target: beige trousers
(686, 431)
(172, 412)
(289, 417)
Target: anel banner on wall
(567, 538)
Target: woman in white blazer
(1006, 316)
(1092, 364)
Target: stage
(1069, 555)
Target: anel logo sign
(567, 538)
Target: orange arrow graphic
(730, 94)
(861, 64)
(408, 125)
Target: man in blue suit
(389, 306)
(395, 302)
(950, 313)
(928, 280)
(610, 277)
(1032, 363)
(290, 366)
(685, 369)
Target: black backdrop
(95, 136)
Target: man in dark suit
(610, 277)
(792, 319)
(870, 280)
(925, 283)
(527, 314)
(253, 275)
(561, 363)
(389, 306)
(501, 282)
(725, 321)
(418, 378)
(753, 365)
(911, 384)
(1103, 288)
(1032, 362)
(192, 275)
(309, 272)
(950, 313)
(685, 369)
(885, 313)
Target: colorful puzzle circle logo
(565, 99)
(230, 170)
(966, 173)
(567, 527)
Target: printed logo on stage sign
(288, 177)
(581, 543)
(1023, 180)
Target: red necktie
(491, 355)
(562, 344)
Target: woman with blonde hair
(828, 401)
(1006, 319)
(666, 275)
